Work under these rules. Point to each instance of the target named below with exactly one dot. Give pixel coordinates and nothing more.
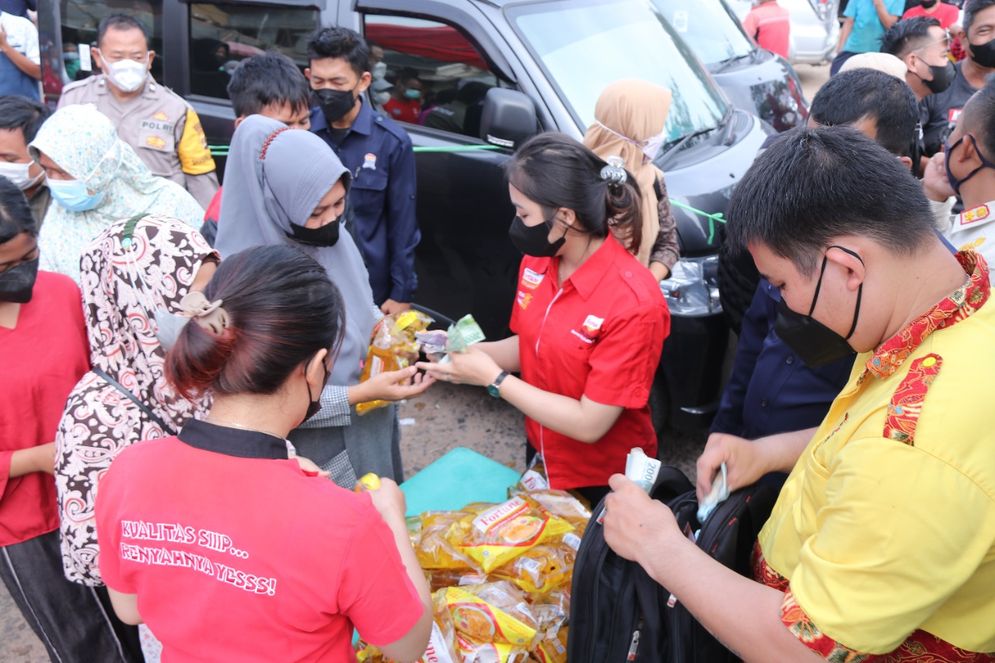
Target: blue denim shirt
(771, 390)
(381, 204)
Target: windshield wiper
(684, 140)
(730, 61)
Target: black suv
(543, 64)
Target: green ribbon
(713, 217)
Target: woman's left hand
(470, 367)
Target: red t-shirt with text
(248, 559)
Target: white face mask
(127, 75)
(380, 98)
(651, 147)
(379, 70)
(20, 174)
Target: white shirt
(22, 35)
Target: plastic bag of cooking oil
(562, 505)
(437, 539)
(392, 348)
(540, 570)
(494, 612)
(505, 531)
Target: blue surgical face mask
(74, 196)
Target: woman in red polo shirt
(589, 319)
(225, 547)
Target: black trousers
(74, 622)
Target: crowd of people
(179, 439)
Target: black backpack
(618, 613)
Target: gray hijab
(275, 177)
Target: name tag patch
(531, 279)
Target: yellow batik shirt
(885, 529)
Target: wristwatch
(494, 388)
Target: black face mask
(326, 235)
(533, 240)
(314, 406)
(942, 77)
(928, 4)
(17, 283)
(813, 342)
(984, 54)
(335, 104)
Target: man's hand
(390, 306)
(744, 462)
(45, 458)
(3, 40)
(474, 366)
(634, 523)
(935, 183)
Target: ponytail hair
(557, 171)
(280, 309)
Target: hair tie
(614, 172)
(209, 315)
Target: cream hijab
(627, 115)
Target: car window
(586, 44)
(80, 19)
(707, 27)
(434, 75)
(221, 35)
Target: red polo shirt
(236, 555)
(599, 335)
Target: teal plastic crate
(460, 477)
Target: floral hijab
(128, 272)
(84, 143)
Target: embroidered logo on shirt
(524, 299)
(592, 325)
(370, 161)
(972, 246)
(158, 124)
(531, 278)
(160, 116)
(974, 216)
(155, 142)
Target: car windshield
(707, 27)
(586, 44)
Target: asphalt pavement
(447, 416)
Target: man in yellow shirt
(882, 542)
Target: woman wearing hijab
(95, 179)
(287, 187)
(131, 271)
(629, 122)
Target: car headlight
(693, 287)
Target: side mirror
(508, 118)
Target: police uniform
(972, 230)
(381, 211)
(162, 128)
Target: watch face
(493, 391)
